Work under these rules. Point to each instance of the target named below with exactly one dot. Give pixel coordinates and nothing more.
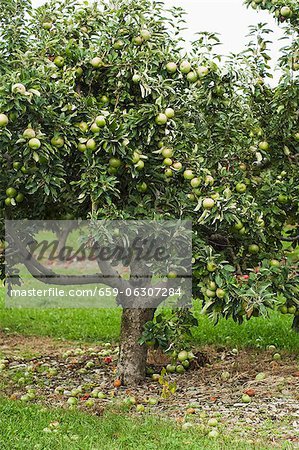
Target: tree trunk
(295, 325)
(132, 355)
(62, 238)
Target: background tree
(105, 115)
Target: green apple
(136, 78)
(145, 35)
(91, 144)
(96, 62)
(34, 143)
(142, 187)
(171, 67)
(211, 266)
(137, 40)
(260, 376)
(271, 347)
(208, 203)
(209, 180)
(16, 165)
(285, 11)
(238, 226)
(79, 72)
(57, 141)
(81, 147)
(202, 71)
(192, 77)
(101, 395)
(29, 133)
(167, 152)
(283, 199)
(264, 146)
(59, 61)
(185, 67)
(19, 198)
(212, 285)
(169, 113)
(47, 25)
(3, 120)
(172, 275)
(170, 368)
(225, 376)
(156, 376)
(136, 157)
(161, 119)
(186, 364)
(182, 356)
(167, 162)
(140, 408)
(274, 263)
(220, 293)
(195, 182)
(253, 249)
(115, 162)
(11, 192)
(83, 126)
(100, 121)
(213, 434)
(212, 422)
(241, 188)
(118, 45)
(177, 166)
(180, 369)
(95, 128)
(104, 99)
(140, 165)
(112, 170)
(283, 309)
(210, 293)
(246, 398)
(188, 174)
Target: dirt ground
(211, 388)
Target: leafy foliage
(94, 85)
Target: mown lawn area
(37, 425)
(34, 427)
(104, 324)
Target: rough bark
(132, 355)
(295, 325)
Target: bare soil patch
(55, 368)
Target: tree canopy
(105, 114)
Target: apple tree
(277, 109)
(104, 114)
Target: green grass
(22, 427)
(104, 325)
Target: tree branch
(290, 238)
(47, 276)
